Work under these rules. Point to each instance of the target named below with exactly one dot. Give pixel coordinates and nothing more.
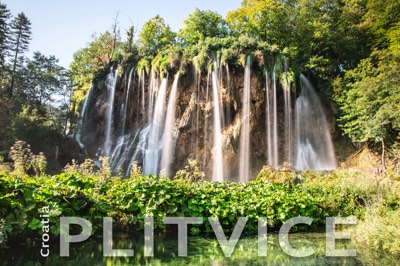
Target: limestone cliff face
(193, 127)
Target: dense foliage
(368, 95)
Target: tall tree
(20, 37)
(155, 35)
(4, 33)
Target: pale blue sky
(61, 27)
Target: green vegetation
(128, 200)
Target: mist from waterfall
(244, 166)
(314, 144)
(111, 80)
(218, 166)
(154, 140)
(169, 137)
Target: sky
(61, 27)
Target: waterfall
(228, 118)
(272, 120)
(141, 123)
(125, 105)
(142, 83)
(288, 116)
(205, 136)
(137, 148)
(112, 78)
(168, 136)
(218, 166)
(275, 123)
(153, 85)
(154, 141)
(268, 119)
(245, 131)
(314, 144)
(83, 118)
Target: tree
(128, 47)
(369, 95)
(116, 37)
(4, 33)
(155, 35)
(44, 80)
(202, 24)
(369, 100)
(381, 17)
(20, 37)
(96, 56)
(264, 20)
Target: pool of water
(201, 251)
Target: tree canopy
(202, 24)
(154, 36)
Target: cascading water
(314, 144)
(207, 102)
(142, 83)
(272, 119)
(151, 95)
(119, 155)
(268, 121)
(245, 131)
(154, 140)
(168, 136)
(83, 118)
(148, 129)
(218, 172)
(125, 105)
(288, 115)
(112, 78)
(275, 122)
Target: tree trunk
(11, 88)
(383, 155)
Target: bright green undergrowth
(128, 201)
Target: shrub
(39, 163)
(379, 232)
(3, 235)
(105, 170)
(136, 170)
(191, 172)
(21, 155)
(86, 168)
